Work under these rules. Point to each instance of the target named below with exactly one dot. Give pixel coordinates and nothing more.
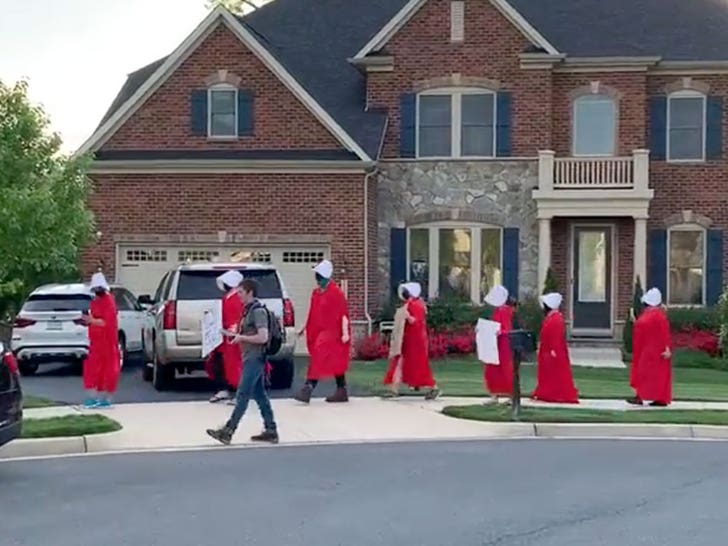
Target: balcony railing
(594, 173)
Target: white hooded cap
(653, 297)
(325, 269)
(99, 281)
(230, 278)
(497, 296)
(414, 289)
(552, 300)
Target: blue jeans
(252, 385)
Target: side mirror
(145, 300)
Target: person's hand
(345, 337)
(667, 353)
(553, 353)
(301, 332)
(86, 319)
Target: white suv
(48, 327)
(173, 338)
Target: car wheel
(281, 376)
(123, 355)
(147, 371)
(162, 376)
(27, 368)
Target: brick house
(458, 143)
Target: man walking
(254, 338)
(328, 336)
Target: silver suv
(173, 338)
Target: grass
(577, 415)
(31, 402)
(68, 426)
(464, 377)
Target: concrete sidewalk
(181, 425)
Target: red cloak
(415, 361)
(652, 372)
(499, 378)
(554, 380)
(101, 368)
(329, 356)
(232, 358)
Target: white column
(546, 170)
(544, 250)
(640, 250)
(641, 170)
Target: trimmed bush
(550, 284)
(694, 318)
(634, 313)
(452, 315)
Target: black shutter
(658, 127)
(714, 129)
(198, 112)
(503, 125)
(397, 258)
(511, 248)
(407, 124)
(657, 275)
(714, 266)
(246, 112)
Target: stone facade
(494, 192)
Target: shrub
(722, 312)
(529, 316)
(695, 318)
(550, 284)
(450, 314)
(373, 347)
(701, 341)
(634, 313)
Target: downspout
(367, 177)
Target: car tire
(281, 376)
(162, 376)
(147, 371)
(28, 368)
(123, 354)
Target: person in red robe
(554, 380)
(411, 365)
(498, 377)
(102, 366)
(328, 336)
(225, 364)
(651, 371)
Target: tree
(550, 284)
(44, 219)
(236, 6)
(634, 312)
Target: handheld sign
(486, 340)
(211, 332)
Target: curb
(101, 444)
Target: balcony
(593, 186)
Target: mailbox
(522, 342)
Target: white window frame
(687, 94)
(210, 91)
(574, 125)
(687, 227)
(456, 94)
(433, 280)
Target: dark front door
(592, 276)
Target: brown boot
(304, 395)
(340, 395)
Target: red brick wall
(281, 120)
(422, 50)
(632, 113)
(267, 204)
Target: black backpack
(275, 334)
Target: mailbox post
(521, 345)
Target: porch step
(602, 356)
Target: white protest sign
(211, 329)
(486, 340)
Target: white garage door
(141, 267)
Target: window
(456, 123)
(302, 257)
(686, 267)
(202, 285)
(124, 300)
(686, 111)
(455, 260)
(223, 111)
(142, 255)
(56, 303)
(594, 125)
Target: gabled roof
(313, 39)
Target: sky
(75, 54)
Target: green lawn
(577, 415)
(30, 402)
(68, 425)
(464, 377)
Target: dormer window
(222, 119)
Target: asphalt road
(62, 383)
(511, 493)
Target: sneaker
(340, 395)
(90, 403)
(103, 404)
(658, 404)
(433, 394)
(304, 395)
(389, 395)
(269, 436)
(634, 401)
(220, 396)
(223, 435)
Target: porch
(592, 231)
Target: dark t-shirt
(256, 318)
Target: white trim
(688, 228)
(393, 26)
(476, 250)
(222, 87)
(614, 281)
(575, 136)
(227, 166)
(204, 29)
(456, 121)
(457, 21)
(687, 94)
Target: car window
(123, 301)
(202, 285)
(56, 302)
(159, 294)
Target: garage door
(141, 268)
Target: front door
(592, 281)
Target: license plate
(54, 325)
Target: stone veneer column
(640, 250)
(544, 251)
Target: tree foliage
(236, 6)
(550, 284)
(44, 219)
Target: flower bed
(441, 344)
